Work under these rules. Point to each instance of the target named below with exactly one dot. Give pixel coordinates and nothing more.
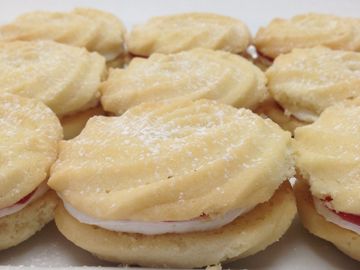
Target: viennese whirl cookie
(307, 31)
(29, 136)
(307, 81)
(96, 30)
(328, 160)
(180, 32)
(175, 175)
(64, 77)
(189, 75)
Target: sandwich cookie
(175, 184)
(181, 32)
(189, 75)
(307, 31)
(29, 136)
(65, 78)
(95, 30)
(307, 81)
(328, 161)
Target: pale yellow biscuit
(307, 81)
(189, 75)
(306, 31)
(270, 109)
(345, 240)
(327, 155)
(245, 236)
(74, 124)
(93, 29)
(180, 32)
(65, 78)
(172, 161)
(21, 225)
(29, 136)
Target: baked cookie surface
(65, 78)
(190, 75)
(29, 136)
(93, 29)
(327, 156)
(306, 31)
(307, 81)
(180, 32)
(172, 161)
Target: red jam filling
(355, 219)
(26, 198)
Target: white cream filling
(334, 218)
(161, 227)
(111, 55)
(40, 190)
(303, 115)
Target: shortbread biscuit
(19, 226)
(306, 31)
(327, 155)
(327, 190)
(73, 124)
(96, 30)
(65, 78)
(29, 136)
(180, 32)
(345, 240)
(245, 236)
(307, 81)
(199, 176)
(270, 109)
(137, 166)
(189, 75)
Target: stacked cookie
(59, 58)
(175, 160)
(315, 66)
(314, 83)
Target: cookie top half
(93, 29)
(328, 156)
(180, 32)
(64, 77)
(172, 161)
(189, 75)
(307, 81)
(29, 136)
(306, 31)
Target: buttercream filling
(303, 115)
(338, 218)
(202, 223)
(109, 56)
(23, 202)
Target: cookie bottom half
(345, 240)
(19, 226)
(245, 236)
